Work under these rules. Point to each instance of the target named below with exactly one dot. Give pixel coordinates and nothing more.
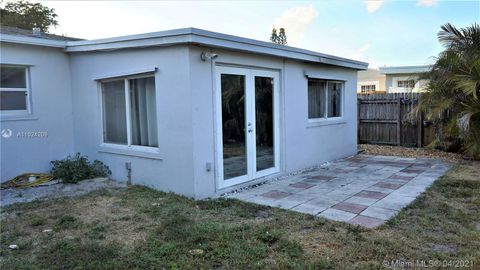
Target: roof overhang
(191, 36)
(404, 69)
(33, 41)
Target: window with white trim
(324, 99)
(406, 83)
(14, 90)
(129, 111)
(368, 88)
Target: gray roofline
(198, 37)
(33, 41)
(404, 69)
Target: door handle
(250, 130)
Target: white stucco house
(404, 79)
(189, 111)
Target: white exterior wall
(169, 170)
(307, 143)
(185, 114)
(302, 143)
(392, 79)
(51, 103)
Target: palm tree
(452, 100)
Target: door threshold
(258, 181)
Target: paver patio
(364, 190)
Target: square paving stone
(350, 207)
(401, 177)
(394, 201)
(387, 185)
(291, 201)
(371, 194)
(411, 170)
(323, 202)
(361, 200)
(368, 222)
(338, 215)
(379, 189)
(322, 177)
(274, 194)
(308, 209)
(379, 212)
(301, 185)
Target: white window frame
(364, 83)
(28, 110)
(129, 148)
(406, 82)
(368, 88)
(325, 118)
(395, 80)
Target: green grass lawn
(146, 229)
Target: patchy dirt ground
(140, 228)
(385, 150)
(11, 196)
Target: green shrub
(77, 168)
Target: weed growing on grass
(37, 221)
(67, 222)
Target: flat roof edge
(404, 69)
(191, 36)
(33, 41)
(213, 39)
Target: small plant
(77, 168)
(269, 236)
(37, 221)
(66, 221)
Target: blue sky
(389, 32)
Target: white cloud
(426, 3)
(373, 5)
(296, 21)
(365, 47)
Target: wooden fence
(386, 119)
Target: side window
(14, 90)
(129, 112)
(324, 99)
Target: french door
(247, 124)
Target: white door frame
(250, 75)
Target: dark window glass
(264, 122)
(114, 112)
(13, 100)
(233, 124)
(316, 98)
(334, 99)
(13, 77)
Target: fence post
(399, 121)
(358, 120)
(420, 130)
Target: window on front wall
(129, 112)
(368, 88)
(406, 83)
(324, 99)
(14, 90)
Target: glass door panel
(264, 122)
(233, 126)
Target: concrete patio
(364, 190)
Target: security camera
(208, 56)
